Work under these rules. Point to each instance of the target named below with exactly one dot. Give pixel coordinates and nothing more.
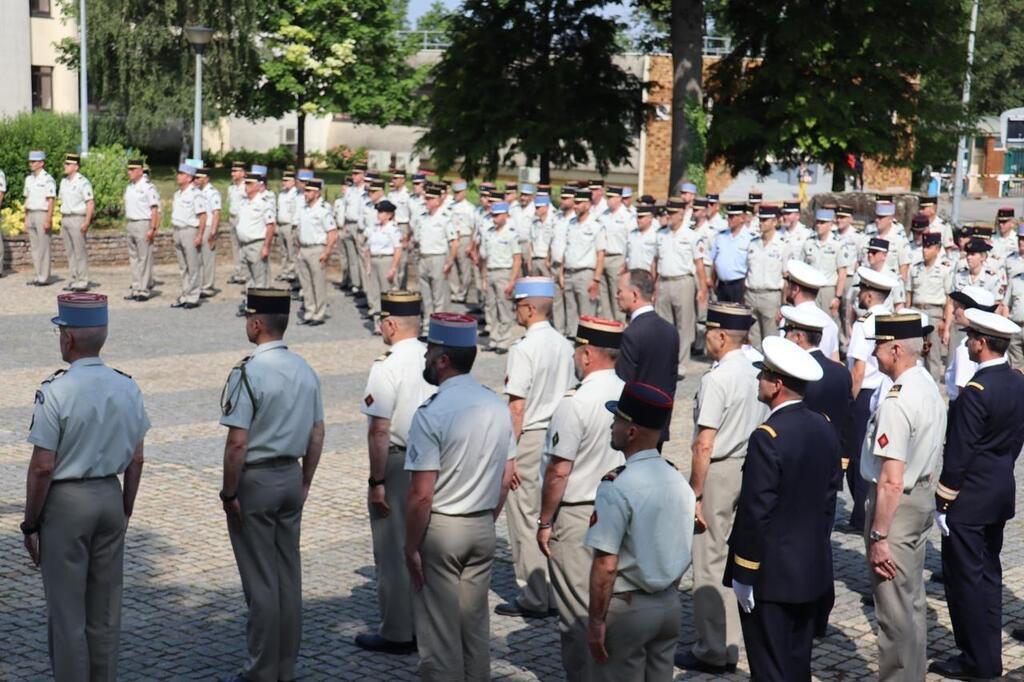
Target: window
(42, 88)
(39, 8)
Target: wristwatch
(875, 536)
(227, 498)
(374, 482)
(541, 525)
(29, 530)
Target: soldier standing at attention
(827, 254)
(780, 552)
(542, 232)
(272, 407)
(577, 454)
(437, 246)
(617, 223)
(316, 235)
(40, 192)
(255, 229)
(462, 214)
(930, 282)
(208, 254)
(975, 497)
(188, 217)
(76, 211)
(289, 199)
(384, 244)
(88, 426)
(642, 247)
(901, 453)
(540, 371)
(394, 390)
(766, 260)
(583, 266)
(460, 452)
(236, 194)
(142, 213)
(726, 412)
(641, 538)
(499, 249)
(350, 220)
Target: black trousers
(731, 292)
(779, 638)
(974, 593)
(858, 486)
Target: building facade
(30, 31)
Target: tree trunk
(839, 175)
(300, 140)
(687, 78)
(545, 167)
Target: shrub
(105, 168)
(55, 134)
(344, 157)
(12, 218)
(279, 157)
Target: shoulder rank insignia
(554, 438)
(228, 402)
(974, 384)
(382, 357)
(124, 374)
(894, 392)
(570, 393)
(53, 376)
(40, 398)
(769, 430)
(613, 474)
(827, 418)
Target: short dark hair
(813, 338)
(462, 359)
(995, 344)
(798, 386)
(642, 281)
(275, 324)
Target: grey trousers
(313, 281)
(81, 541)
(501, 315)
(404, 263)
(577, 300)
(521, 513)
(765, 305)
(570, 586)
(236, 248)
(715, 613)
(610, 288)
(39, 243)
(676, 301)
(255, 268)
(460, 277)
(1015, 352)
(267, 553)
(933, 359)
(188, 263)
(140, 256)
(900, 607)
(290, 249)
(353, 261)
(433, 285)
(377, 281)
(394, 589)
(76, 250)
(208, 265)
(642, 630)
(451, 615)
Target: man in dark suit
(975, 496)
(780, 555)
(650, 344)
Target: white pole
(83, 80)
(197, 129)
(961, 147)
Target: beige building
(33, 80)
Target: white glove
(940, 521)
(744, 595)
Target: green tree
(336, 56)
(998, 72)
(818, 79)
(436, 18)
(536, 78)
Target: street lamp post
(83, 68)
(198, 37)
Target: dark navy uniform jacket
(780, 541)
(833, 396)
(983, 438)
(650, 354)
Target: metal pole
(197, 130)
(83, 80)
(961, 147)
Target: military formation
(828, 345)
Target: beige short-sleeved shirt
(139, 200)
(74, 194)
(434, 234)
(188, 205)
(930, 285)
(314, 223)
(38, 188)
(766, 262)
(582, 242)
(236, 193)
(727, 401)
(828, 256)
(677, 251)
(396, 387)
(499, 247)
(254, 215)
(540, 370)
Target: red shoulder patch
(883, 440)
(368, 399)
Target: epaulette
(228, 402)
(427, 402)
(769, 430)
(53, 376)
(124, 374)
(382, 357)
(974, 384)
(570, 393)
(613, 474)
(894, 392)
(827, 418)
(241, 363)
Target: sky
(419, 7)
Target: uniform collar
(640, 311)
(992, 363)
(538, 327)
(733, 355)
(642, 455)
(784, 405)
(85, 362)
(270, 345)
(456, 381)
(597, 375)
(403, 343)
(876, 309)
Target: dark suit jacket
(650, 354)
(832, 395)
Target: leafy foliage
(55, 134)
(105, 168)
(998, 73)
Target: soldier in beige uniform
(726, 412)
(463, 214)
(583, 265)
(208, 252)
(827, 253)
(900, 454)
(930, 282)
(142, 213)
(577, 453)
(316, 235)
(617, 222)
(236, 194)
(289, 199)
(88, 426)
(460, 452)
(188, 217)
(384, 248)
(394, 390)
(437, 244)
(40, 192)
(272, 407)
(1014, 302)
(255, 228)
(501, 256)
(76, 211)
(766, 263)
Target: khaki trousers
(312, 281)
(267, 553)
(676, 301)
(521, 513)
(255, 268)
(610, 288)
(900, 607)
(188, 263)
(403, 263)
(353, 261)
(540, 268)
(460, 277)
(451, 616)
(236, 249)
(1015, 352)
(715, 613)
(641, 636)
(577, 300)
(433, 284)
(824, 301)
(76, 250)
(501, 316)
(208, 266)
(81, 540)
(570, 586)
(394, 588)
(765, 305)
(933, 359)
(378, 282)
(140, 256)
(290, 249)
(39, 242)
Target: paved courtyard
(183, 607)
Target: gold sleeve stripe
(947, 493)
(746, 563)
(768, 429)
(975, 384)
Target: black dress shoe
(189, 306)
(688, 661)
(131, 297)
(374, 642)
(178, 304)
(315, 323)
(302, 321)
(500, 351)
(1017, 634)
(32, 283)
(207, 294)
(66, 288)
(514, 609)
(953, 669)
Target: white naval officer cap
(804, 274)
(785, 358)
(990, 324)
(872, 279)
(975, 297)
(808, 318)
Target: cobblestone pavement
(183, 607)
